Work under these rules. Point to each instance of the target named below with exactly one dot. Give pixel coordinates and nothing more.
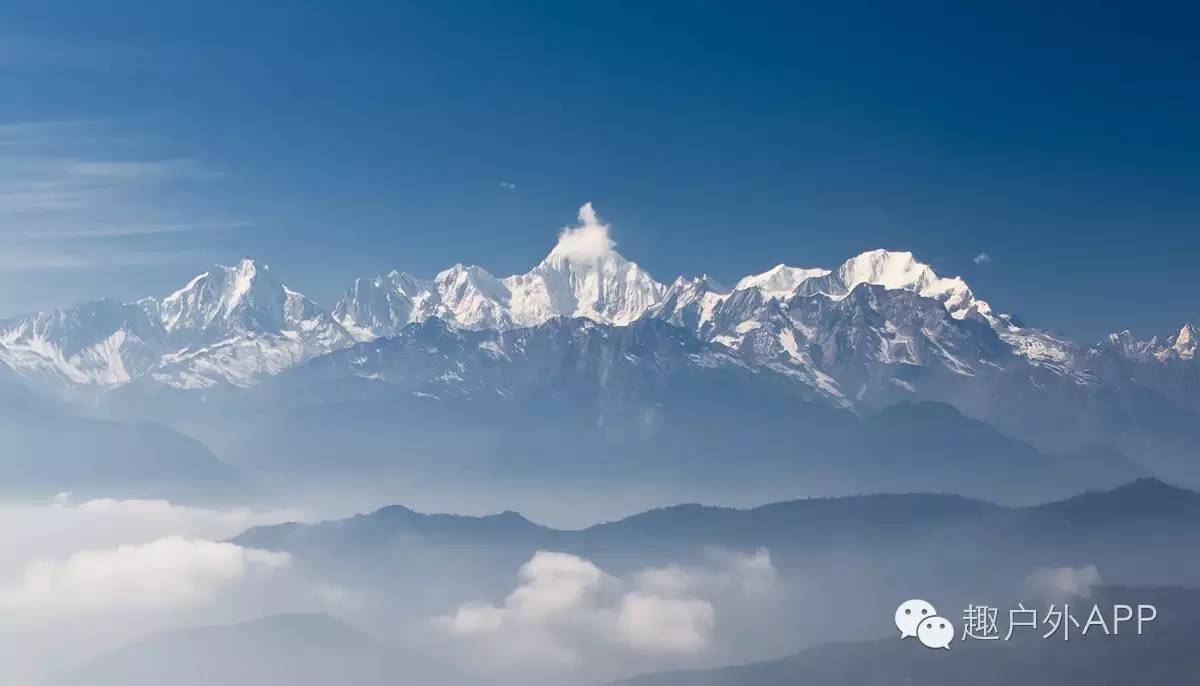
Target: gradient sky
(140, 142)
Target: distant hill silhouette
(279, 650)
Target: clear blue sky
(141, 141)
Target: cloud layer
(81, 579)
(168, 572)
(564, 606)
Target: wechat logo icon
(920, 619)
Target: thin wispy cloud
(982, 258)
(33, 53)
(508, 185)
(22, 258)
(63, 180)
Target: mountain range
(871, 547)
(589, 334)
(821, 576)
(239, 324)
(840, 565)
(49, 446)
(229, 324)
(1102, 523)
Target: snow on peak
(474, 298)
(583, 276)
(892, 270)
(690, 302)
(779, 281)
(896, 270)
(1183, 344)
(702, 282)
(231, 323)
(461, 273)
(244, 291)
(382, 305)
(1131, 346)
(1178, 346)
(887, 268)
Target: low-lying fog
(89, 586)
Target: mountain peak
(1184, 343)
(1180, 346)
(887, 268)
(460, 270)
(220, 293)
(779, 281)
(1144, 497)
(900, 270)
(583, 276)
(474, 297)
(380, 305)
(243, 276)
(698, 282)
(248, 265)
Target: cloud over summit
(588, 241)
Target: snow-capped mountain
(101, 343)
(1168, 366)
(238, 324)
(690, 302)
(890, 270)
(230, 324)
(583, 276)
(1183, 344)
(590, 334)
(1178, 346)
(382, 305)
(780, 281)
(878, 328)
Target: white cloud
(79, 579)
(168, 572)
(565, 606)
(1062, 583)
(508, 185)
(982, 258)
(650, 622)
(553, 583)
(64, 526)
(561, 600)
(752, 575)
(587, 242)
(134, 506)
(474, 618)
(42, 256)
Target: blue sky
(139, 144)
